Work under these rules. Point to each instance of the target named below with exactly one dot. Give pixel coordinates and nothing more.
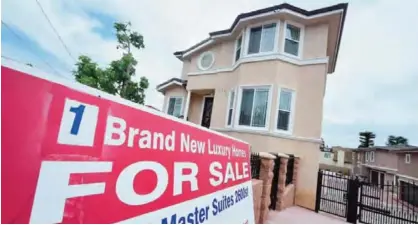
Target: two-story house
(263, 81)
(396, 165)
(387, 164)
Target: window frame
(238, 107)
(367, 156)
(168, 104)
(242, 36)
(372, 156)
(292, 111)
(199, 61)
(233, 107)
(247, 39)
(301, 39)
(407, 156)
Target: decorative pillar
(186, 109)
(296, 166)
(266, 175)
(281, 183)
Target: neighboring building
(338, 159)
(382, 165)
(263, 81)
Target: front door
(374, 177)
(382, 180)
(207, 111)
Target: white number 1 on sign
(78, 123)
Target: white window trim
(372, 156)
(199, 61)
(292, 111)
(233, 108)
(367, 156)
(247, 39)
(168, 104)
(238, 108)
(408, 158)
(301, 39)
(242, 35)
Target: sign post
(72, 154)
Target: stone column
(266, 175)
(282, 183)
(296, 165)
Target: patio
(301, 215)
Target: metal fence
(274, 182)
(255, 161)
(388, 203)
(290, 168)
(364, 202)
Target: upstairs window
(292, 40)
(206, 60)
(407, 158)
(262, 38)
(371, 156)
(253, 108)
(284, 110)
(238, 45)
(230, 108)
(174, 106)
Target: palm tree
(366, 139)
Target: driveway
(300, 215)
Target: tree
(391, 141)
(396, 140)
(116, 79)
(366, 139)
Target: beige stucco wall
(410, 169)
(384, 159)
(195, 108)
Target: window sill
(298, 57)
(267, 133)
(284, 132)
(248, 128)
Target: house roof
(407, 148)
(173, 81)
(273, 9)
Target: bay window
(175, 105)
(253, 111)
(284, 111)
(262, 38)
(292, 40)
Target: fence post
(318, 191)
(352, 200)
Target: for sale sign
(71, 154)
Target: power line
(33, 51)
(56, 32)
(27, 64)
(16, 60)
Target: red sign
(72, 154)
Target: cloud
(374, 86)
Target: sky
(374, 87)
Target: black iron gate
(274, 183)
(386, 203)
(354, 200)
